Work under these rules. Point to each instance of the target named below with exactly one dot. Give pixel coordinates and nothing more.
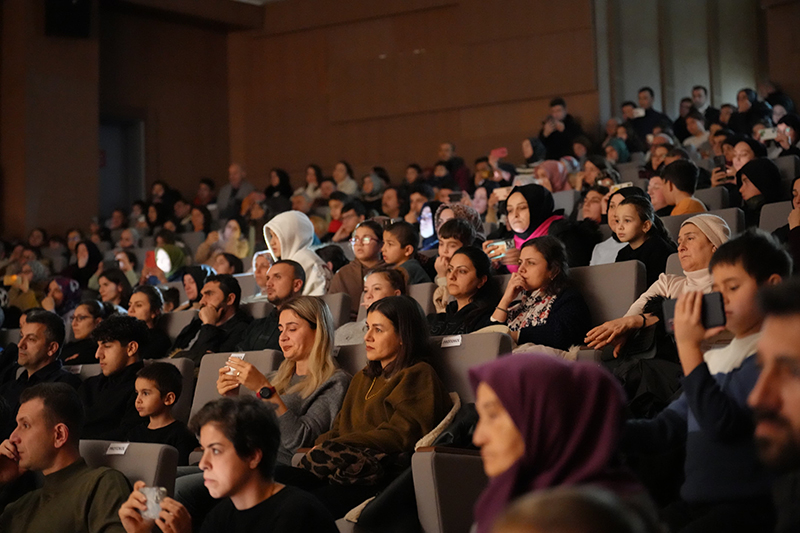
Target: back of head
(54, 329)
(122, 328)
(781, 300)
(405, 233)
(228, 285)
(459, 229)
(396, 277)
(334, 255)
(248, 423)
(166, 377)
(411, 326)
(759, 253)
(62, 405)
(683, 174)
(234, 262)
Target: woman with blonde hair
(307, 390)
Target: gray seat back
(339, 304)
(715, 198)
(181, 408)
(674, 265)
(351, 358)
(84, 371)
(732, 215)
(247, 282)
(423, 294)
(347, 249)
(193, 240)
(173, 323)
(265, 361)
(566, 200)
(258, 309)
(609, 290)
(453, 361)
(773, 216)
(155, 464)
(9, 336)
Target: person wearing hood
(193, 278)
(63, 296)
(759, 183)
(617, 152)
(170, 260)
(372, 188)
(534, 433)
(89, 258)
(749, 112)
(427, 226)
(290, 235)
(447, 211)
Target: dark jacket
(645, 125)
(559, 143)
(459, 322)
(109, 403)
(566, 326)
(157, 345)
(654, 253)
(210, 338)
(261, 334)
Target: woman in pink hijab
(553, 175)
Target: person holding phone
(558, 131)
(788, 135)
(789, 234)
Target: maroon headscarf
(570, 415)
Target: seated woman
(390, 404)
(290, 235)
(88, 259)
(115, 288)
(307, 390)
(475, 294)
(261, 264)
(699, 238)
(82, 348)
(63, 296)
(240, 439)
(29, 288)
(201, 219)
(147, 304)
(366, 243)
(606, 252)
(427, 227)
(379, 283)
(553, 176)
(789, 235)
(523, 403)
(539, 305)
(647, 239)
(170, 262)
(194, 278)
(231, 240)
(759, 183)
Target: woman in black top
(648, 240)
(81, 349)
(475, 294)
(759, 183)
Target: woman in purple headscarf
(63, 295)
(545, 422)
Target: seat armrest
(448, 450)
(299, 454)
(589, 354)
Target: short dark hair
(402, 198)
(234, 262)
(397, 277)
(459, 229)
(405, 233)
(728, 105)
(122, 328)
(62, 405)
(677, 151)
(171, 295)
(409, 321)
(697, 115)
(482, 159)
(154, 297)
(782, 299)
(297, 269)
(686, 99)
(340, 197)
(327, 178)
(646, 90)
(334, 255)
(555, 253)
(627, 103)
(683, 174)
(759, 253)
(228, 285)
(166, 376)
(416, 167)
(249, 424)
(94, 307)
(209, 182)
(422, 188)
(354, 205)
(700, 88)
(373, 226)
(54, 329)
(558, 101)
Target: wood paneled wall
(386, 82)
(783, 19)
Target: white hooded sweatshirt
(295, 232)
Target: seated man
(147, 304)
(74, 497)
(219, 324)
(109, 398)
(725, 488)
(240, 439)
(42, 335)
(261, 265)
(680, 182)
(285, 280)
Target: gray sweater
(308, 418)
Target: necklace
(367, 397)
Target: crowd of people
(683, 425)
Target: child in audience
(366, 243)
(648, 241)
(379, 283)
(336, 202)
(226, 263)
(680, 181)
(725, 487)
(172, 298)
(454, 234)
(539, 305)
(158, 387)
(475, 293)
(400, 241)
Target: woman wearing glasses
(366, 243)
(81, 349)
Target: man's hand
(49, 303)
(794, 218)
(209, 314)
(9, 463)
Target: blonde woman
(307, 390)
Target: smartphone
(713, 312)
(150, 259)
(638, 112)
(768, 134)
(502, 244)
(502, 193)
(720, 163)
(498, 153)
(614, 188)
(239, 356)
(154, 495)
(455, 197)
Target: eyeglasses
(80, 318)
(363, 240)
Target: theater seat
(265, 361)
(715, 198)
(732, 215)
(566, 200)
(258, 309)
(193, 240)
(674, 265)
(339, 304)
(82, 371)
(9, 336)
(247, 282)
(173, 323)
(773, 216)
(789, 167)
(423, 294)
(155, 464)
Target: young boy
(453, 234)
(158, 387)
(336, 202)
(400, 241)
(725, 487)
(680, 181)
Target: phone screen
(150, 259)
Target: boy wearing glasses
(366, 243)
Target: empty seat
(423, 294)
(193, 240)
(773, 216)
(674, 265)
(339, 304)
(155, 464)
(715, 198)
(181, 408)
(610, 289)
(258, 309)
(9, 336)
(265, 361)
(732, 215)
(173, 323)
(638, 158)
(247, 282)
(84, 371)
(566, 200)
(452, 361)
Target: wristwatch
(265, 393)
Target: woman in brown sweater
(394, 401)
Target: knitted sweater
(672, 286)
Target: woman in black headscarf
(759, 183)
(89, 258)
(194, 277)
(750, 111)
